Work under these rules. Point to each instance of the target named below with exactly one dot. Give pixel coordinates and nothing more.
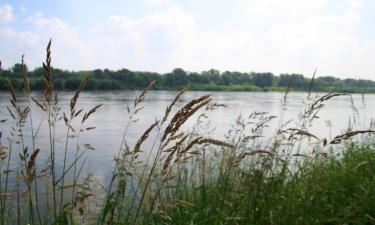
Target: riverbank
(211, 80)
(331, 189)
(110, 86)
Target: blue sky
(292, 36)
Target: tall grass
(185, 177)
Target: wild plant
(174, 174)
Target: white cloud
(145, 43)
(303, 40)
(6, 14)
(292, 36)
(69, 48)
(22, 42)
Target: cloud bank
(291, 36)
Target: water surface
(111, 119)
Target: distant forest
(211, 80)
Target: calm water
(110, 120)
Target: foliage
(336, 190)
(186, 176)
(211, 80)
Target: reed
(186, 176)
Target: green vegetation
(336, 190)
(212, 80)
(185, 177)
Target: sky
(280, 36)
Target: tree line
(211, 80)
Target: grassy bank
(185, 176)
(336, 190)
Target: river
(111, 119)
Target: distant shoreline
(212, 80)
(224, 89)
